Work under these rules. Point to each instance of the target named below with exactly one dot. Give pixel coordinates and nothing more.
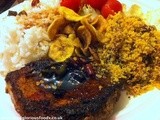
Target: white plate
(144, 107)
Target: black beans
(66, 75)
(89, 70)
(72, 79)
(59, 69)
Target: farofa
(130, 53)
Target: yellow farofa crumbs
(130, 53)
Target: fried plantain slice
(70, 14)
(55, 25)
(61, 49)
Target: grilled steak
(93, 99)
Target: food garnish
(80, 37)
(96, 4)
(72, 4)
(115, 5)
(61, 49)
(111, 7)
(57, 23)
(70, 14)
(106, 7)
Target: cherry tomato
(72, 4)
(111, 7)
(97, 4)
(115, 5)
(106, 10)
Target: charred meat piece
(92, 99)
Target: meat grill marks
(90, 99)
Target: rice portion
(24, 38)
(20, 46)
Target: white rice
(19, 46)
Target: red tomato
(97, 4)
(34, 3)
(106, 10)
(115, 5)
(72, 4)
(111, 7)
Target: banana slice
(61, 49)
(70, 14)
(55, 25)
(74, 40)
